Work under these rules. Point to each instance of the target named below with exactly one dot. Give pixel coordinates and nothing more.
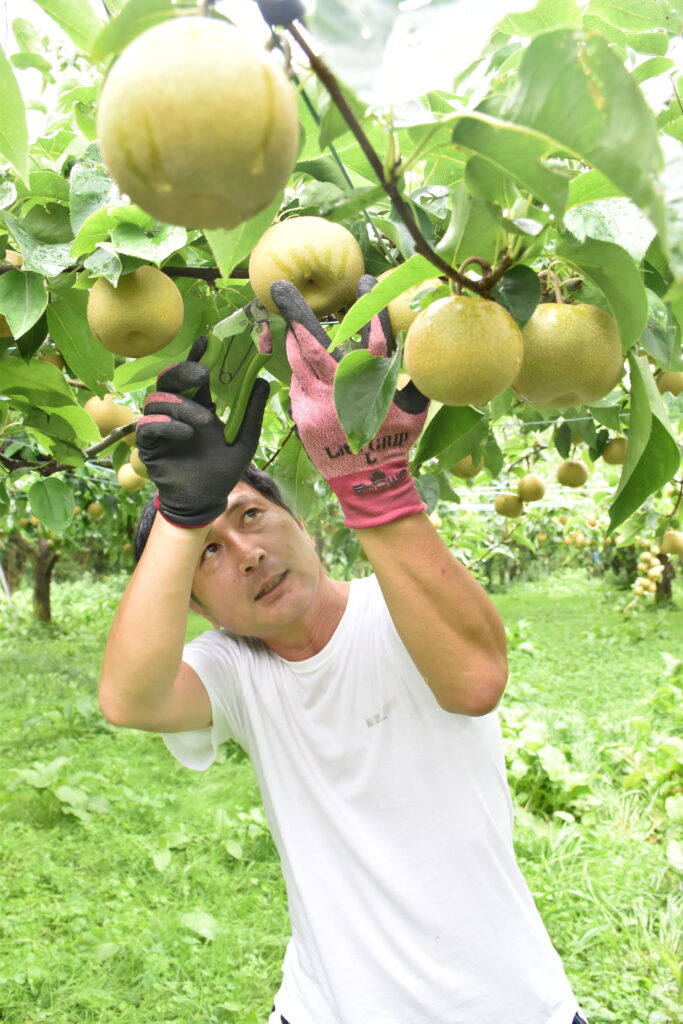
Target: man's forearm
(144, 649)
(446, 620)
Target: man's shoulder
(226, 644)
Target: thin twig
(277, 451)
(388, 183)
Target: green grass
(136, 891)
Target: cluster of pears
(144, 311)
(108, 415)
(650, 569)
(465, 350)
(511, 505)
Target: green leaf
(94, 229)
(672, 188)
(26, 36)
(23, 299)
(76, 18)
(68, 324)
(155, 245)
(473, 230)
(29, 342)
(89, 190)
(414, 270)
(41, 386)
(33, 60)
(85, 121)
(364, 387)
(648, 42)
(351, 203)
(52, 501)
(389, 53)
(635, 15)
(49, 223)
(608, 123)
(615, 220)
(429, 489)
(46, 185)
(590, 186)
(13, 127)
(612, 270)
(135, 18)
(652, 456)
(519, 291)
(324, 168)
(201, 923)
(449, 424)
(104, 263)
(43, 258)
(341, 26)
(231, 247)
(651, 68)
(295, 475)
(545, 15)
(517, 151)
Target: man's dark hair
(255, 477)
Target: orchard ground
(135, 890)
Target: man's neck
(315, 632)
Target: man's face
(258, 573)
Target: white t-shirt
(392, 818)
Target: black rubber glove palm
(181, 442)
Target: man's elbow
(111, 711)
(116, 711)
(479, 694)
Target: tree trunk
(42, 574)
(13, 559)
(664, 582)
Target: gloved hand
(181, 442)
(374, 486)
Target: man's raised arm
(444, 617)
(143, 683)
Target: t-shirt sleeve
(215, 658)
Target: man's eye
(209, 550)
(251, 513)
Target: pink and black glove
(181, 442)
(374, 486)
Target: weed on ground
(136, 891)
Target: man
(367, 708)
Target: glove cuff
(374, 497)
(196, 522)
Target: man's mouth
(268, 587)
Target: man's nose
(250, 554)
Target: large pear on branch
(321, 258)
(142, 314)
(671, 381)
(463, 350)
(197, 124)
(108, 415)
(572, 473)
(572, 356)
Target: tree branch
(388, 184)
